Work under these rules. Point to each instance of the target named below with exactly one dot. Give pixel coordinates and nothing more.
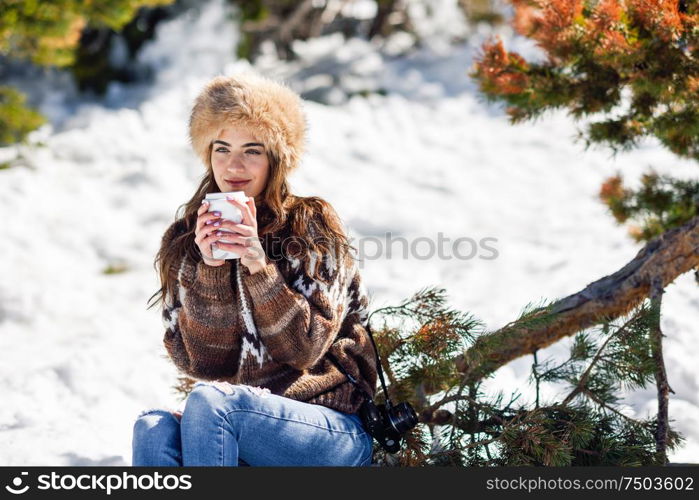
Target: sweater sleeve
(297, 328)
(201, 336)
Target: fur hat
(271, 110)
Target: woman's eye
(250, 151)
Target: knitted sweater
(297, 321)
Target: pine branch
(664, 258)
(598, 355)
(604, 405)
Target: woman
(255, 331)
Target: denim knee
(148, 420)
(205, 397)
(208, 400)
(156, 439)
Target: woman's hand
(205, 233)
(246, 242)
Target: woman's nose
(236, 171)
(236, 163)
(235, 167)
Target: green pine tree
(597, 52)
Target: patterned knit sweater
(296, 322)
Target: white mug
(218, 202)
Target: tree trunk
(384, 9)
(660, 377)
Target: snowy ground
(81, 354)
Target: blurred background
(94, 161)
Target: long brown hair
(283, 219)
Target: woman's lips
(237, 184)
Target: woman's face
(236, 155)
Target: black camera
(384, 422)
(387, 423)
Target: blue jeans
(231, 425)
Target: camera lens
(403, 417)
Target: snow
(82, 357)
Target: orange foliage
(524, 21)
(604, 25)
(555, 24)
(606, 14)
(431, 336)
(612, 189)
(635, 232)
(693, 83)
(560, 14)
(502, 69)
(550, 22)
(660, 17)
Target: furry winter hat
(270, 109)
